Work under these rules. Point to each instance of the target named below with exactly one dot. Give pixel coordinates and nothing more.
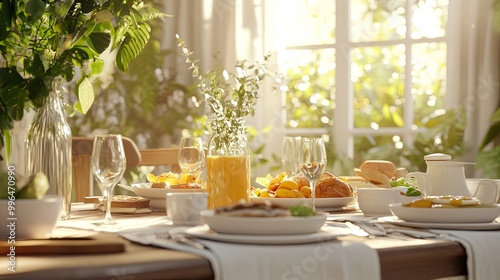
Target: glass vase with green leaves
(231, 97)
(46, 43)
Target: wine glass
(108, 165)
(191, 155)
(290, 155)
(312, 161)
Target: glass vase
(228, 171)
(48, 145)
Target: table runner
(483, 251)
(323, 260)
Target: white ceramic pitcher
(446, 177)
(443, 176)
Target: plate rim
(399, 206)
(271, 239)
(493, 225)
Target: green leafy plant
(231, 97)
(489, 159)
(41, 40)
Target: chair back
(82, 151)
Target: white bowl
(263, 225)
(375, 201)
(31, 218)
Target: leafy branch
(230, 96)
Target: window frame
(344, 131)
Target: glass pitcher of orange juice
(228, 172)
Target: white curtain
(473, 65)
(233, 30)
(215, 30)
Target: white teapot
(446, 177)
(443, 176)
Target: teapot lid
(437, 157)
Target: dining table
(77, 250)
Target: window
(373, 69)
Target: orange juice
(228, 179)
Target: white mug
(487, 190)
(184, 208)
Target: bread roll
(383, 166)
(373, 176)
(329, 186)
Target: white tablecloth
(323, 260)
(483, 252)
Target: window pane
(307, 22)
(374, 20)
(311, 88)
(378, 85)
(428, 79)
(429, 18)
(388, 147)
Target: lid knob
(437, 157)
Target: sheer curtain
(233, 30)
(219, 32)
(474, 68)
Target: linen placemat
(333, 259)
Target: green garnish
(412, 191)
(301, 210)
(402, 182)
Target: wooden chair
(82, 151)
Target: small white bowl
(31, 218)
(375, 201)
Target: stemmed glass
(290, 155)
(108, 165)
(312, 161)
(191, 155)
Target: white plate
(326, 233)
(157, 196)
(446, 215)
(263, 225)
(330, 203)
(495, 225)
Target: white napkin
(324, 260)
(483, 251)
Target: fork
(376, 230)
(181, 238)
(371, 228)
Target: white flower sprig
(231, 97)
